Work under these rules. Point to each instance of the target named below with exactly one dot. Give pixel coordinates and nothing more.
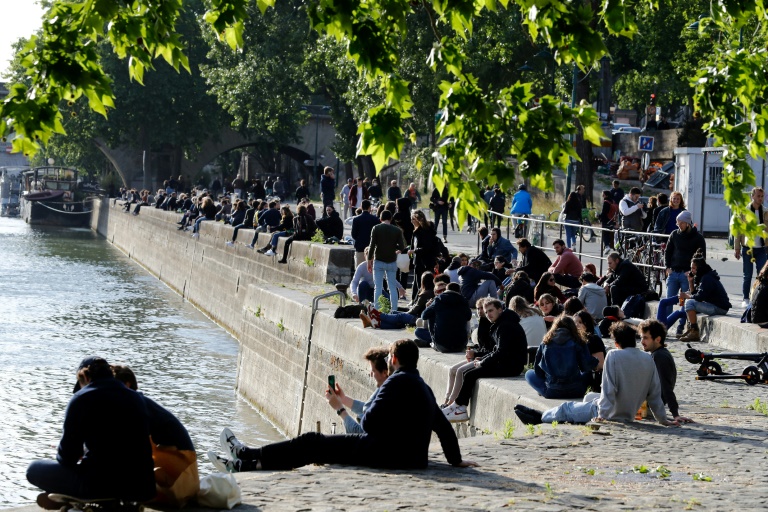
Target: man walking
(327, 188)
(754, 251)
(439, 204)
(361, 230)
(387, 242)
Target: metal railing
(645, 250)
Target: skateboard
(73, 504)
(711, 370)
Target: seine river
(66, 294)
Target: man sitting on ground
(447, 315)
(377, 358)
(476, 284)
(534, 261)
(404, 404)
(566, 267)
(625, 280)
(653, 335)
(629, 378)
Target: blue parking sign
(645, 143)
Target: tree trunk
(584, 172)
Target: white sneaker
(250, 246)
(745, 304)
(270, 252)
(195, 235)
(220, 463)
(230, 243)
(458, 414)
(230, 444)
(448, 409)
(419, 322)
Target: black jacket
(437, 196)
(361, 230)
(405, 403)
(535, 262)
(710, 289)
(498, 201)
(518, 288)
(332, 226)
(448, 316)
(510, 353)
(681, 247)
(760, 304)
(423, 247)
(628, 277)
(470, 277)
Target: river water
(66, 294)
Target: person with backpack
(304, 228)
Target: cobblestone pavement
(717, 463)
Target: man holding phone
(404, 403)
(377, 358)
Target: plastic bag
(219, 490)
(403, 262)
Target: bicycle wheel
(586, 232)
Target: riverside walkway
(716, 463)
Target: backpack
(351, 311)
(613, 215)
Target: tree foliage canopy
(483, 124)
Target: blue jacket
(503, 248)
(402, 417)
(448, 316)
(107, 425)
(711, 290)
(562, 361)
(361, 230)
(521, 203)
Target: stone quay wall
(267, 307)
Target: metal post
(703, 195)
(317, 130)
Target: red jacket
(353, 202)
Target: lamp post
(310, 109)
(569, 170)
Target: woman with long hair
(549, 308)
(707, 296)
(563, 365)
(586, 325)
(547, 284)
(666, 220)
(422, 248)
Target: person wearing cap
(682, 245)
(104, 450)
(652, 337)
(752, 250)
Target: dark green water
(66, 294)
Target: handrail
(315, 300)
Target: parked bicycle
(588, 217)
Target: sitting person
(447, 318)
(629, 379)
(592, 295)
(611, 315)
(331, 225)
(532, 323)
(709, 297)
(283, 229)
(304, 228)
(566, 268)
(88, 462)
(453, 269)
(550, 309)
(401, 319)
(547, 285)
(208, 211)
(483, 347)
(499, 246)
(758, 313)
(534, 261)
(404, 403)
(476, 284)
(507, 359)
(653, 335)
(563, 365)
(247, 222)
(500, 267)
(625, 280)
(572, 306)
(519, 286)
(377, 358)
(176, 476)
(586, 325)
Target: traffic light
(653, 100)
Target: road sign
(645, 143)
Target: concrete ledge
(726, 332)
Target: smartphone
(332, 383)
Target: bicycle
(584, 227)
